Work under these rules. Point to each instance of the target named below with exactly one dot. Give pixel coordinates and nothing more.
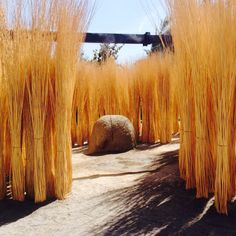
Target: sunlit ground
(134, 193)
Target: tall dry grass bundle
(182, 73)
(146, 79)
(71, 19)
(113, 89)
(164, 93)
(152, 95)
(233, 133)
(25, 62)
(74, 119)
(86, 97)
(3, 117)
(7, 146)
(187, 126)
(28, 146)
(37, 83)
(49, 139)
(123, 78)
(142, 92)
(134, 101)
(174, 105)
(3, 123)
(199, 85)
(223, 86)
(99, 90)
(16, 75)
(15, 72)
(91, 96)
(200, 28)
(85, 109)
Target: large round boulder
(112, 134)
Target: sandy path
(135, 193)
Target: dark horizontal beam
(144, 39)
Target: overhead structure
(144, 39)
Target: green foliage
(105, 52)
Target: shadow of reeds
(159, 204)
(79, 149)
(146, 146)
(11, 211)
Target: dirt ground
(134, 193)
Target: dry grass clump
(142, 92)
(153, 95)
(146, 79)
(3, 127)
(81, 98)
(14, 74)
(37, 84)
(70, 20)
(51, 100)
(100, 90)
(204, 38)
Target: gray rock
(112, 134)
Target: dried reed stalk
(146, 84)
(134, 102)
(81, 101)
(71, 20)
(28, 145)
(39, 77)
(152, 90)
(100, 89)
(37, 86)
(182, 72)
(94, 95)
(7, 146)
(164, 97)
(4, 113)
(49, 142)
(142, 91)
(223, 84)
(197, 29)
(3, 118)
(15, 73)
(174, 106)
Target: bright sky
(125, 16)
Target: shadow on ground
(144, 146)
(79, 149)
(159, 205)
(11, 211)
(139, 147)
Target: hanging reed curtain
(37, 85)
(204, 37)
(143, 92)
